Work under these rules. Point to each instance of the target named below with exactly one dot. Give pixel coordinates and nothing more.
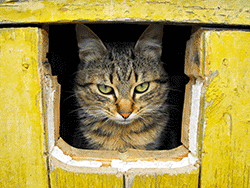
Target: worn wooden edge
(55, 163)
(215, 12)
(161, 171)
(132, 155)
(51, 91)
(187, 102)
(194, 92)
(42, 51)
(186, 115)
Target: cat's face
(122, 84)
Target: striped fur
(122, 66)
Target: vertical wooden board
(179, 180)
(61, 178)
(172, 178)
(226, 144)
(21, 134)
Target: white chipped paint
(194, 116)
(50, 112)
(59, 155)
(124, 166)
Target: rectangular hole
(63, 57)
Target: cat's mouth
(124, 121)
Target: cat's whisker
(109, 113)
(92, 109)
(73, 95)
(106, 120)
(144, 120)
(172, 89)
(69, 97)
(79, 109)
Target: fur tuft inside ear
(149, 44)
(90, 45)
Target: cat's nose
(125, 115)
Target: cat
(121, 91)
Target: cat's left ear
(149, 44)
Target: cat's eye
(105, 89)
(142, 87)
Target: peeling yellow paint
(226, 154)
(192, 11)
(188, 180)
(22, 163)
(61, 178)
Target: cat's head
(121, 82)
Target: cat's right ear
(90, 45)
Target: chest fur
(123, 137)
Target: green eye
(105, 89)
(142, 87)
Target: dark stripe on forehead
(124, 71)
(136, 77)
(118, 76)
(111, 78)
(112, 70)
(129, 76)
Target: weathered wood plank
(192, 11)
(22, 159)
(61, 178)
(226, 142)
(62, 175)
(146, 178)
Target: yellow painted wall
(182, 11)
(224, 68)
(22, 160)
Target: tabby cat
(121, 90)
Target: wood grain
(23, 153)
(228, 12)
(226, 136)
